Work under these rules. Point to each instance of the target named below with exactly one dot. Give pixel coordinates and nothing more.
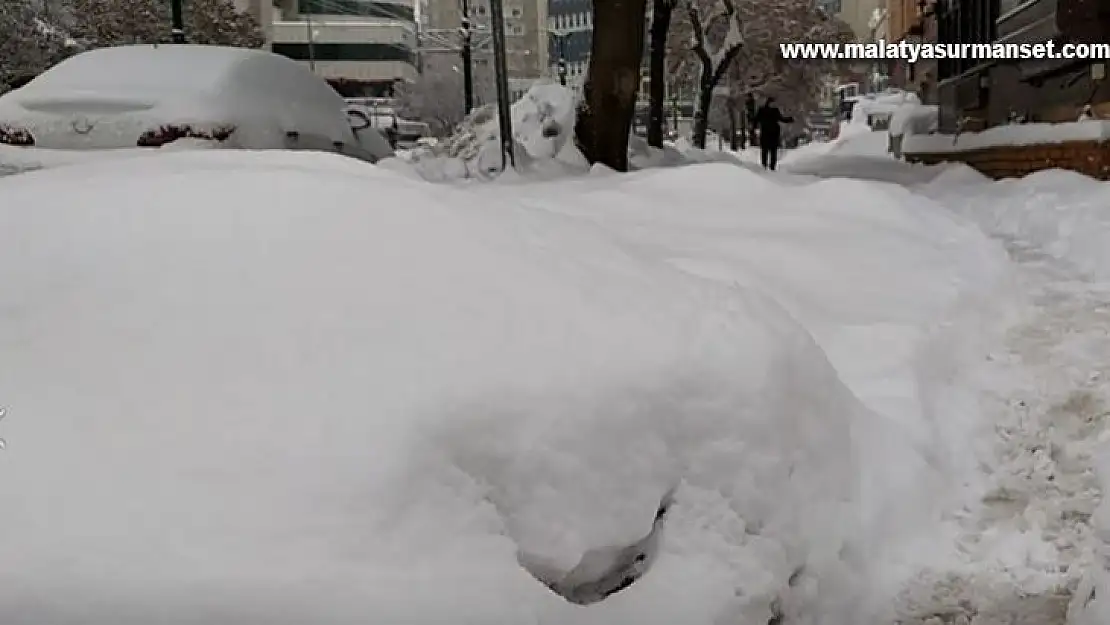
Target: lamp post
(177, 22)
(311, 36)
(466, 54)
(560, 43)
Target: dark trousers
(769, 154)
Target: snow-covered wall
(1010, 135)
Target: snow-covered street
(268, 388)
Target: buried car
(143, 96)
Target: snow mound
(266, 398)
(680, 153)
(1062, 212)
(914, 119)
(904, 347)
(543, 131)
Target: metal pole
(311, 42)
(497, 15)
(177, 21)
(466, 52)
(561, 40)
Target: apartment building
(363, 47)
(570, 34)
(913, 21)
(525, 36)
(570, 30)
(976, 93)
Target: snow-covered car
(149, 96)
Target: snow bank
(837, 254)
(17, 160)
(543, 129)
(1061, 212)
(265, 398)
(681, 152)
(914, 119)
(1013, 134)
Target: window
(967, 21)
(516, 30)
(368, 8)
(516, 12)
(346, 52)
(481, 10)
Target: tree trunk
(701, 113)
(609, 95)
(660, 24)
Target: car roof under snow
(169, 69)
(241, 81)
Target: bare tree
(220, 22)
(28, 43)
(661, 13)
(738, 40)
(609, 93)
(98, 23)
(715, 53)
(437, 96)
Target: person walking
(767, 119)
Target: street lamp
(310, 33)
(560, 43)
(177, 22)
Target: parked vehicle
(149, 96)
(403, 134)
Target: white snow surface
(1009, 135)
(914, 119)
(305, 389)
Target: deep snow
(262, 399)
(267, 399)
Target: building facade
(525, 36)
(364, 47)
(570, 34)
(975, 93)
(913, 21)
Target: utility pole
(311, 41)
(177, 22)
(466, 53)
(497, 15)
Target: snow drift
(543, 135)
(305, 389)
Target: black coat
(767, 119)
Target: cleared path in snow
(1027, 537)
